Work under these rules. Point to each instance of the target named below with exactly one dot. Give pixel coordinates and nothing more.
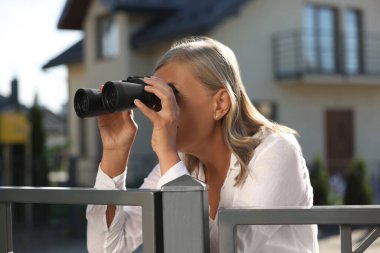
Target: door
(339, 139)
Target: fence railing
(181, 205)
(344, 216)
(175, 219)
(148, 200)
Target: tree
(39, 165)
(320, 181)
(358, 189)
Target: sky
(29, 38)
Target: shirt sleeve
(100, 237)
(174, 172)
(125, 232)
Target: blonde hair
(215, 65)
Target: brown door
(339, 139)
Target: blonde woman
(245, 159)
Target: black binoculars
(115, 96)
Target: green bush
(358, 188)
(320, 181)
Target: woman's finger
(162, 90)
(158, 83)
(158, 91)
(149, 113)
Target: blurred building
(54, 124)
(10, 109)
(313, 65)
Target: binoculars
(115, 96)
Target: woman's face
(196, 123)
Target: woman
(245, 159)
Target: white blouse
(277, 177)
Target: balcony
(326, 58)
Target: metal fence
(160, 209)
(344, 216)
(175, 219)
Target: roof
(190, 19)
(74, 12)
(4, 102)
(53, 123)
(171, 19)
(6, 105)
(73, 54)
(144, 6)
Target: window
(320, 39)
(353, 41)
(107, 38)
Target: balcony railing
(297, 54)
(175, 219)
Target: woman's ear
(222, 104)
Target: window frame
(360, 41)
(101, 52)
(316, 33)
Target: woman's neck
(213, 153)
(215, 157)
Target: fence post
(6, 244)
(345, 238)
(185, 216)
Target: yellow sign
(13, 128)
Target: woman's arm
(118, 131)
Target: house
(15, 125)
(54, 124)
(312, 65)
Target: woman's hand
(118, 131)
(164, 122)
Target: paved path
(332, 244)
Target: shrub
(319, 181)
(358, 188)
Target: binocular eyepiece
(115, 96)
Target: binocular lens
(81, 102)
(88, 102)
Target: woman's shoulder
(276, 147)
(281, 139)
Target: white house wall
(302, 106)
